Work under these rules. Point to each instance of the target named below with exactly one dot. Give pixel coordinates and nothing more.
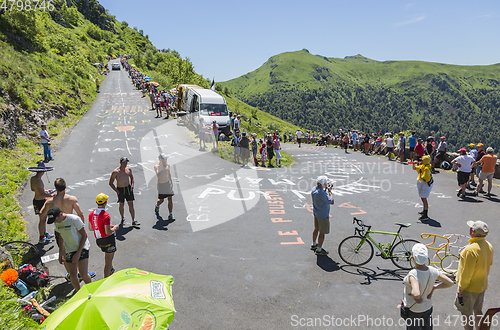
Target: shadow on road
(372, 275)
(122, 231)
(161, 224)
(470, 200)
(327, 264)
(431, 222)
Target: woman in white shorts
(424, 184)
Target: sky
(227, 39)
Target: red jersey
(98, 219)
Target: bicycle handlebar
(361, 224)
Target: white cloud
(415, 20)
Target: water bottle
(21, 286)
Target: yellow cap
(101, 198)
(472, 145)
(426, 160)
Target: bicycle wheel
(356, 250)
(449, 264)
(22, 253)
(401, 253)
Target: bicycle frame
(384, 249)
(437, 249)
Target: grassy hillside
(320, 93)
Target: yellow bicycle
(448, 248)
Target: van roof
(209, 96)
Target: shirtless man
(37, 186)
(124, 189)
(165, 185)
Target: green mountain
(47, 61)
(325, 94)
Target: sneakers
(314, 247)
(488, 195)
(44, 240)
(122, 222)
(49, 236)
(136, 223)
(157, 209)
(424, 217)
(421, 212)
(474, 193)
(68, 278)
(113, 270)
(321, 252)
(171, 217)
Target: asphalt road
(239, 249)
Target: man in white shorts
(424, 184)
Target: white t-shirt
(236, 124)
(465, 161)
(298, 134)
(44, 136)
(68, 229)
(426, 279)
(390, 142)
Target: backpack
(33, 277)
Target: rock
(5, 259)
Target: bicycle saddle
(406, 225)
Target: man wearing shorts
(37, 186)
(165, 186)
(487, 163)
(124, 189)
(472, 275)
(298, 134)
(100, 224)
(465, 163)
(74, 244)
(321, 210)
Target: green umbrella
(129, 299)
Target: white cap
(420, 254)
(479, 227)
(162, 156)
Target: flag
(213, 85)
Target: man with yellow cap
(424, 184)
(100, 224)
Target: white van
(207, 104)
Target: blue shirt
(413, 141)
(321, 203)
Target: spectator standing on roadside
(473, 270)
(389, 141)
(419, 287)
(237, 123)
(441, 151)
(232, 121)
(202, 128)
(346, 142)
(473, 153)
(270, 150)
(488, 163)
(354, 140)
(298, 134)
(263, 154)
(321, 210)
(41, 195)
(165, 185)
(104, 233)
(424, 184)
(412, 143)
(430, 150)
(236, 145)
(401, 148)
(124, 189)
(254, 149)
(464, 163)
(480, 154)
(45, 140)
(74, 244)
(158, 106)
(245, 149)
(419, 150)
(277, 151)
(215, 132)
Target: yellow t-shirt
(474, 265)
(424, 172)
